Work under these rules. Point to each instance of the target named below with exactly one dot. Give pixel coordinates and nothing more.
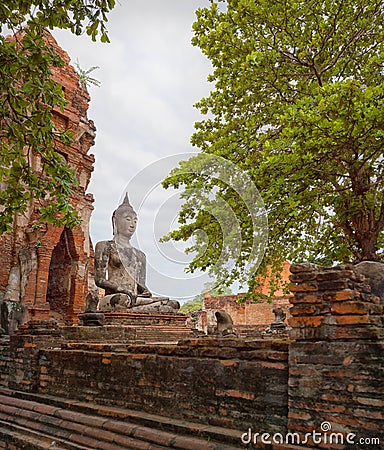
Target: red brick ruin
(251, 316)
(322, 387)
(42, 267)
(150, 381)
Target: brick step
(164, 337)
(27, 439)
(143, 331)
(78, 425)
(164, 327)
(161, 333)
(69, 432)
(172, 330)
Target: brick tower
(44, 269)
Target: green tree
(191, 305)
(297, 103)
(28, 96)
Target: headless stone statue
(120, 269)
(224, 324)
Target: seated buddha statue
(120, 269)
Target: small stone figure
(278, 326)
(280, 316)
(91, 302)
(91, 317)
(120, 269)
(224, 324)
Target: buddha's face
(124, 222)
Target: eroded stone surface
(374, 272)
(224, 324)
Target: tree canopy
(297, 104)
(28, 96)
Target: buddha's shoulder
(103, 245)
(139, 252)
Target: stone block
(304, 267)
(306, 321)
(309, 286)
(348, 308)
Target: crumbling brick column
(26, 252)
(336, 361)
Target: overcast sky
(150, 77)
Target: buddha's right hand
(124, 289)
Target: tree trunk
(367, 244)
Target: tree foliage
(28, 96)
(297, 103)
(191, 305)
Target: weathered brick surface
(68, 422)
(24, 351)
(336, 364)
(335, 303)
(143, 319)
(333, 371)
(20, 358)
(53, 261)
(4, 361)
(231, 384)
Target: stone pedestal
(92, 319)
(144, 319)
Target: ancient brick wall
(252, 313)
(24, 353)
(336, 363)
(31, 254)
(231, 383)
(6, 258)
(247, 313)
(5, 360)
(330, 374)
(234, 385)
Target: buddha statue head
(124, 219)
